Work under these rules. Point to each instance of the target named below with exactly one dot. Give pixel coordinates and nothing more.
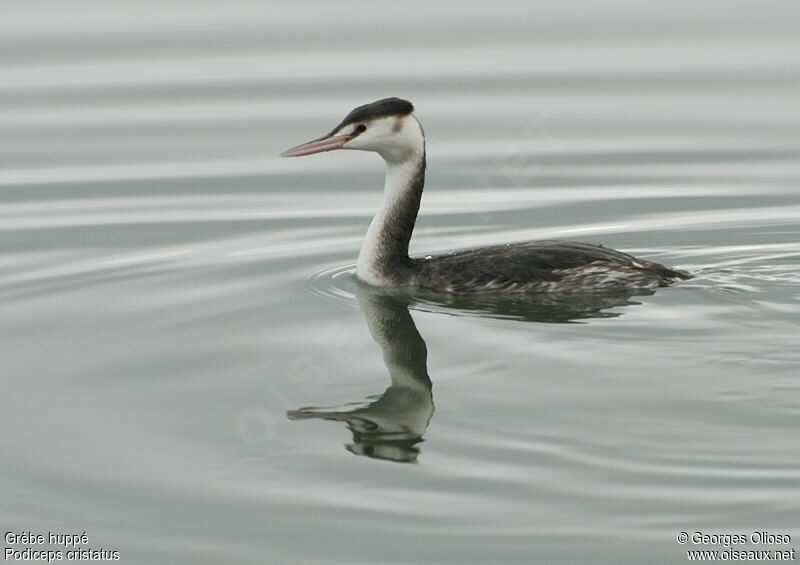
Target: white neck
(385, 247)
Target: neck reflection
(390, 427)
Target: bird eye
(360, 128)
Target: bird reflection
(545, 307)
(392, 426)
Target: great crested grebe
(388, 127)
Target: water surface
(191, 374)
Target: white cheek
(396, 142)
(370, 140)
(363, 141)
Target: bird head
(387, 127)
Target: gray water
(190, 373)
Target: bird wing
(521, 266)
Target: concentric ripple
(338, 283)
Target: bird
(390, 128)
